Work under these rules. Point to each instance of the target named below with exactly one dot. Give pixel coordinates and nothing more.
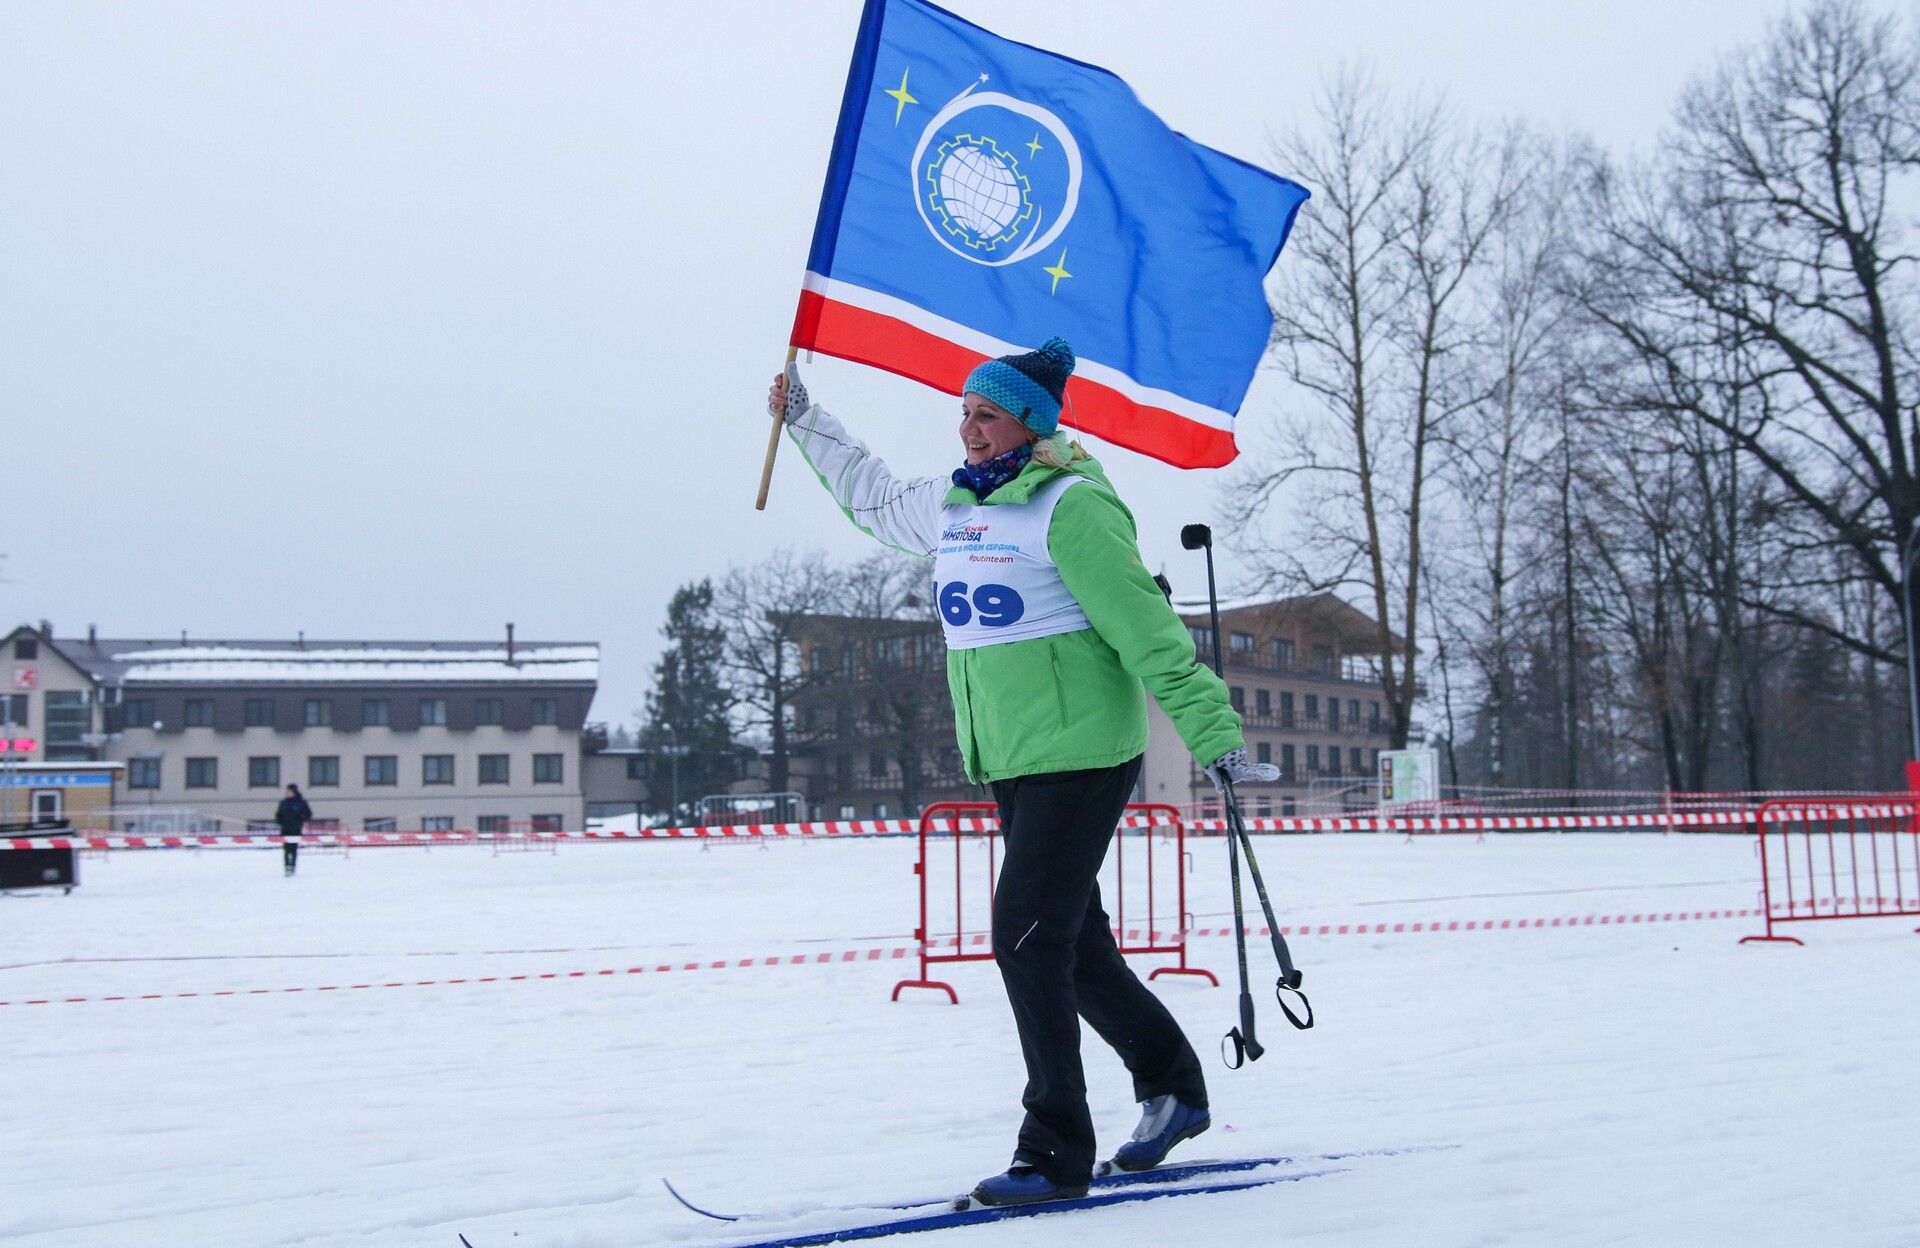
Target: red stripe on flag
(872, 338)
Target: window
(843, 774)
(1262, 703)
(436, 769)
(1333, 760)
(489, 711)
(382, 769)
(1353, 757)
(378, 823)
(492, 824)
(1313, 758)
(849, 812)
(319, 713)
(546, 823)
(323, 770)
(433, 712)
(1239, 643)
(1313, 708)
(1333, 712)
(1323, 660)
(1353, 711)
(819, 662)
(1283, 654)
(259, 712)
(549, 768)
(139, 712)
(493, 769)
(810, 719)
(263, 772)
(1286, 762)
(203, 773)
(877, 765)
(69, 719)
(1202, 638)
(143, 773)
(849, 662)
(1263, 752)
(1265, 806)
(1373, 717)
(199, 712)
(843, 719)
(1237, 696)
(637, 767)
(375, 712)
(546, 710)
(26, 647)
(1286, 709)
(13, 709)
(890, 651)
(437, 823)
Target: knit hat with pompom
(1030, 386)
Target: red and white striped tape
(899, 952)
(899, 827)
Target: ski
(1105, 1176)
(974, 1215)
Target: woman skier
(1053, 627)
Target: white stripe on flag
(973, 340)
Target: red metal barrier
(974, 830)
(1836, 860)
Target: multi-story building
(872, 726)
(1303, 674)
(380, 735)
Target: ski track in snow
(1649, 1084)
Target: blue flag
(985, 195)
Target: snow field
(1642, 1084)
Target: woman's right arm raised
(902, 514)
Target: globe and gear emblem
(976, 190)
(978, 200)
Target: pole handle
(773, 446)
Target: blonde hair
(1055, 451)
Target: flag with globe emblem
(984, 195)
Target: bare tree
(1373, 319)
(760, 606)
(1773, 223)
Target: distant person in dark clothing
(292, 816)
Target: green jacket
(1066, 702)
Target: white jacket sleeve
(905, 515)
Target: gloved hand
(787, 399)
(1235, 766)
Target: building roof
(174, 662)
(1323, 614)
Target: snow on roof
(372, 663)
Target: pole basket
(1831, 859)
(1144, 881)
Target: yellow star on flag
(901, 98)
(1058, 270)
(1033, 148)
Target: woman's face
(987, 429)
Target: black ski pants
(1058, 959)
(290, 852)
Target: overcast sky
(406, 320)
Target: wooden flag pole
(773, 445)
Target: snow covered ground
(1653, 1083)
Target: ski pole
(1244, 1045)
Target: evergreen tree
(687, 725)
